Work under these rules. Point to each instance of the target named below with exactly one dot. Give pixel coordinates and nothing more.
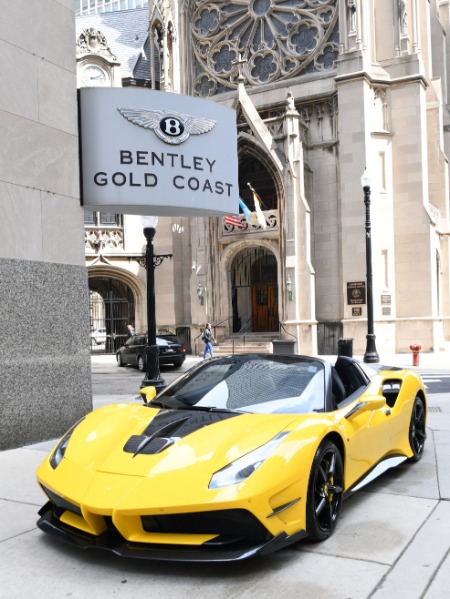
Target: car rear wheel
(120, 361)
(326, 485)
(417, 430)
(141, 363)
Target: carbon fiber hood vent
(170, 425)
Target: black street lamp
(152, 374)
(371, 354)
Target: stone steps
(255, 343)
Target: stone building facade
(323, 90)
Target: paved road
(109, 379)
(436, 381)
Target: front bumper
(221, 549)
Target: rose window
(261, 40)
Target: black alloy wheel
(326, 486)
(141, 363)
(417, 430)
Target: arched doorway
(254, 291)
(253, 171)
(111, 305)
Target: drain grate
(435, 409)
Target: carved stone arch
(157, 31)
(155, 41)
(137, 287)
(249, 147)
(233, 249)
(104, 270)
(230, 254)
(164, 35)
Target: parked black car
(171, 351)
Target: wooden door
(265, 307)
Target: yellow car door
(366, 424)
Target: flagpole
(261, 219)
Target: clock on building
(94, 76)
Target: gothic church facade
(323, 90)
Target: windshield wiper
(213, 409)
(160, 404)
(184, 406)
(206, 409)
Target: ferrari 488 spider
(241, 455)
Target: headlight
(243, 467)
(60, 449)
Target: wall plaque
(356, 293)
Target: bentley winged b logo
(170, 126)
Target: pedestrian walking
(208, 339)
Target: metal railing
(242, 333)
(281, 326)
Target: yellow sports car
(241, 455)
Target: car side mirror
(147, 394)
(369, 404)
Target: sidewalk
(392, 540)
(432, 361)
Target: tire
(120, 361)
(141, 363)
(178, 363)
(417, 430)
(325, 490)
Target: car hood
(140, 441)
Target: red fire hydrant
(415, 348)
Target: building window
(83, 7)
(109, 219)
(89, 218)
(102, 219)
(278, 40)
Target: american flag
(234, 221)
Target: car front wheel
(417, 430)
(326, 486)
(141, 363)
(120, 361)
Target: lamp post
(152, 374)
(371, 354)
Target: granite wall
(45, 378)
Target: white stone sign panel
(159, 153)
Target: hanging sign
(157, 153)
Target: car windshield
(267, 385)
